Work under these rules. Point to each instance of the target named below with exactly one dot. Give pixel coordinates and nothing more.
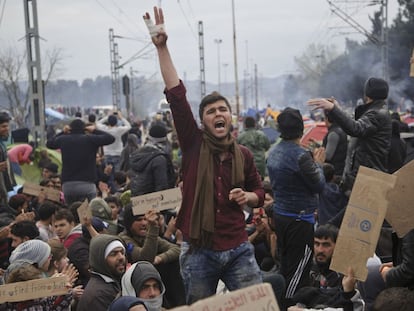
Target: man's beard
(323, 265)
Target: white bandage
(153, 29)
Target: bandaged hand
(158, 27)
(153, 29)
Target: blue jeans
(202, 268)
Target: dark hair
(210, 99)
(44, 182)
(73, 208)
(249, 122)
(327, 231)
(328, 171)
(120, 177)
(129, 218)
(17, 201)
(394, 298)
(113, 199)
(395, 116)
(46, 210)
(92, 118)
(63, 214)
(4, 117)
(25, 228)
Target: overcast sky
(269, 33)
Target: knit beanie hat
(157, 131)
(97, 250)
(376, 88)
(290, 123)
(112, 120)
(31, 251)
(101, 209)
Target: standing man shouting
(219, 179)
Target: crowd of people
(250, 212)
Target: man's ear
(202, 125)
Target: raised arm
(159, 38)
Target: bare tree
(13, 80)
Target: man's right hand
(157, 31)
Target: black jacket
(402, 275)
(79, 153)
(372, 128)
(152, 169)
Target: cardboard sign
(84, 211)
(255, 297)
(28, 290)
(400, 212)
(412, 65)
(161, 200)
(33, 189)
(360, 228)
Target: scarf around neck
(203, 211)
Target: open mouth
(219, 124)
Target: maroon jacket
(229, 217)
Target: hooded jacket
(135, 277)
(103, 286)
(153, 170)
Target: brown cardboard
(400, 213)
(360, 228)
(412, 65)
(84, 211)
(161, 200)
(28, 290)
(255, 297)
(33, 189)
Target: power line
(115, 17)
(186, 19)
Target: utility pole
(384, 39)
(236, 76)
(381, 42)
(218, 42)
(202, 67)
(114, 56)
(256, 87)
(36, 92)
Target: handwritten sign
(399, 213)
(255, 297)
(361, 226)
(28, 290)
(84, 212)
(161, 200)
(33, 189)
(412, 65)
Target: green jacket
(258, 143)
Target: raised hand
(157, 31)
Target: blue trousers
(201, 269)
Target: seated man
(108, 262)
(142, 280)
(144, 243)
(327, 285)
